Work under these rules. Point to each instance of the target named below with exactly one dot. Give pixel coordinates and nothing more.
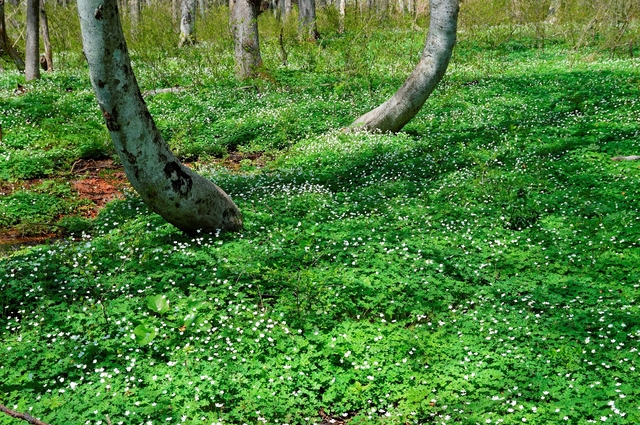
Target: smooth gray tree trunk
(32, 54)
(342, 10)
(244, 27)
(44, 28)
(393, 114)
(307, 28)
(5, 43)
(182, 197)
(187, 22)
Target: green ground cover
(482, 266)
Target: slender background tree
(188, 22)
(32, 54)
(244, 27)
(5, 44)
(46, 60)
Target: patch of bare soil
(7, 188)
(14, 239)
(100, 181)
(233, 161)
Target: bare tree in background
(5, 43)
(134, 11)
(46, 60)
(244, 26)
(552, 13)
(307, 28)
(183, 198)
(32, 54)
(187, 22)
(393, 114)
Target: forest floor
(481, 266)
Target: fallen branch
(626, 158)
(165, 90)
(24, 416)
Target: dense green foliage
(479, 267)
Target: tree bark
(552, 13)
(244, 26)
(307, 28)
(342, 9)
(188, 22)
(183, 198)
(392, 115)
(44, 28)
(175, 11)
(5, 43)
(134, 10)
(32, 54)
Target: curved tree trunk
(392, 115)
(183, 198)
(32, 54)
(5, 43)
(187, 22)
(244, 26)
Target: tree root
(24, 416)
(626, 158)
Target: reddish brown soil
(98, 181)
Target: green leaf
(144, 333)
(158, 303)
(189, 319)
(194, 305)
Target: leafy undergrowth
(480, 267)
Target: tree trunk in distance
(175, 11)
(134, 10)
(202, 5)
(342, 8)
(244, 27)
(5, 43)
(393, 114)
(552, 13)
(383, 12)
(287, 7)
(44, 28)
(32, 54)
(187, 22)
(307, 29)
(183, 198)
